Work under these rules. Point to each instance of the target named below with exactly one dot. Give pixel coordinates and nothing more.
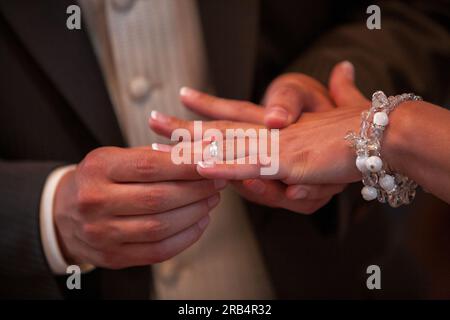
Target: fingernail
(187, 92)
(279, 114)
(255, 186)
(220, 184)
(158, 116)
(161, 147)
(203, 223)
(300, 193)
(349, 69)
(206, 164)
(213, 201)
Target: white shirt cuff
(49, 239)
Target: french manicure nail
(187, 92)
(300, 193)
(349, 69)
(206, 164)
(161, 147)
(203, 223)
(220, 184)
(213, 201)
(158, 116)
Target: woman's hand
(311, 152)
(313, 156)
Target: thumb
(284, 102)
(342, 87)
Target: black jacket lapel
(67, 58)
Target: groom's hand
(130, 207)
(285, 99)
(293, 93)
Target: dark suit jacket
(54, 109)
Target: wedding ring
(213, 149)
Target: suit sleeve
(410, 53)
(24, 271)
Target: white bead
(361, 163)
(381, 118)
(374, 164)
(369, 193)
(387, 182)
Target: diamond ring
(213, 148)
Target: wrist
(49, 239)
(62, 207)
(397, 144)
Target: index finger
(284, 103)
(221, 109)
(166, 125)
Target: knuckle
(95, 160)
(146, 165)
(154, 200)
(113, 232)
(77, 218)
(290, 78)
(286, 89)
(88, 200)
(91, 233)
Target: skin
(313, 152)
(131, 207)
(307, 147)
(287, 97)
(128, 207)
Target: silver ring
(213, 149)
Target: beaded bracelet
(379, 182)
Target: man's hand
(131, 207)
(291, 94)
(285, 99)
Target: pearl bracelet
(379, 182)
